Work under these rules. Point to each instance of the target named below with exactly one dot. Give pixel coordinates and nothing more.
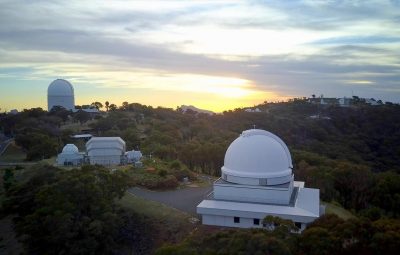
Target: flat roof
(82, 136)
(306, 205)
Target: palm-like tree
(107, 105)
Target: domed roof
(70, 149)
(258, 154)
(60, 87)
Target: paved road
(4, 145)
(182, 199)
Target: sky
(216, 55)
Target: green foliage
(230, 242)
(154, 179)
(162, 172)
(82, 116)
(43, 147)
(8, 178)
(280, 226)
(331, 235)
(327, 235)
(386, 193)
(73, 212)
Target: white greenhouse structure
(105, 151)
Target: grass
(174, 225)
(335, 208)
(13, 153)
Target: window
(236, 219)
(256, 221)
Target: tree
(8, 179)
(125, 106)
(386, 193)
(107, 105)
(97, 105)
(112, 107)
(82, 116)
(72, 212)
(318, 241)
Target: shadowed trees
(73, 212)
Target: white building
(105, 150)
(344, 102)
(133, 156)
(60, 93)
(257, 180)
(70, 155)
(252, 110)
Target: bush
(162, 172)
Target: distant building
(344, 102)
(257, 181)
(252, 110)
(106, 150)
(372, 102)
(133, 156)
(70, 156)
(13, 112)
(60, 93)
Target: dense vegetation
(74, 212)
(327, 235)
(351, 154)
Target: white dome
(60, 87)
(60, 93)
(70, 149)
(257, 156)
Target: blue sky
(216, 55)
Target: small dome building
(133, 156)
(70, 156)
(60, 93)
(257, 181)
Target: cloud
(288, 48)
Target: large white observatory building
(60, 93)
(257, 181)
(106, 150)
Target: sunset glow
(218, 55)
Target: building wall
(105, 160)
(96, 152)
(74, 159)
(229, 221)
(67, 102)
(256, 194)
(257, 181)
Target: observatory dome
(257, 156)
(70, 149)
(60, 93)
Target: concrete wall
(257, 181)
(67, 102)
(256, 194)
(228, 221)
